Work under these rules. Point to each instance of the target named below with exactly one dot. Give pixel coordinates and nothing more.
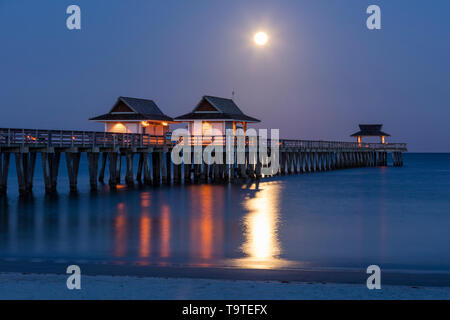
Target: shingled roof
(370, 130)
(130, 109)
(217, 109)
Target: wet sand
(398, 278)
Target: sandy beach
(51, 286)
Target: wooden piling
(147, 167)
(73, 163)
(301, 156)
(187, 170)
(101, 176)
(50, 166)
(25, 163)
(20, 173)
(113, 159)
(129, 176)
(140, 168)
(4, 166)
(93, 158)
(118, 168)
(177, 173)
(156, 164)
(168, 168)
(308, 162)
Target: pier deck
(155, 165)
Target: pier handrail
(301, 144)
(72, 138)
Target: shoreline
(356, 277)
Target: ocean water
(398, 218)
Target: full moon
(260, 38)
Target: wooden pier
(105, 152)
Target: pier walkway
(155, 166)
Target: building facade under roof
(133, 115)
(216, 115)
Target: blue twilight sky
(321, 74)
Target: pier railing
(299, 144)
(338, 145)
(68, 138)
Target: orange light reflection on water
(165, 231)
(206, 224)
(145, 227)
(120, 228)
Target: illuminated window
(206, 128)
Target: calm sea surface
(398, 218)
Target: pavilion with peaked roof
(133, 115)
(370, 130)
(217, 114)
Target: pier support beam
(50, 166)
(129, 176)
(282, 163)
(156, 164)
(258, 169)
(317, 164)
(119, 167)
(397, 160)
(301, 157)
(322, 161)
(140, 168)
(187, 169)
(308, 162)
(340, 161)
(203, 173)
(4, 165)
(73, 163)
(251, 160)
(163, 167)
(168, 168)
(113, 168)
(101, 176)
(226, 168)
(295, 159)
(331, 157)
(93, 158)
(289, 162)
(177, 173)
(25, 162)
(147, 172)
